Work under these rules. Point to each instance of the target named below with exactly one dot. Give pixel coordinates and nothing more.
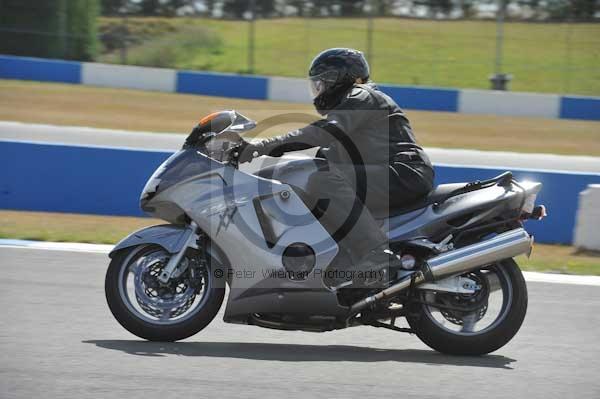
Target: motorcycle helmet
(334, 71)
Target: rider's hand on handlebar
(248, 151)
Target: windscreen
(179, 166)
(224, 125)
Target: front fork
(190, 239)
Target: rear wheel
(474, 324)
(161, 312)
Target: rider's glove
(248, 151)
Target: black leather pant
(339, 194)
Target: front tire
(488, 340)
(144, 326)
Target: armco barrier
(59, 178)
(294, 89)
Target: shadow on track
(298, 353)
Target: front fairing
(205, 149)
(180, 166)
(252, 220)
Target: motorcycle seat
(435, 195)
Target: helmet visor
(321, 82)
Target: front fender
(168, 236)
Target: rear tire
(145, 329)
(485, 342)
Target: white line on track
(57, 246)
(105, 249)
(561, 278)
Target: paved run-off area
(58, 339)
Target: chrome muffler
(458, 261)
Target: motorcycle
(458, 287)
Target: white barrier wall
(587, 228)
(508, 103)
(469, 101)
(293, 90)
(128, 77)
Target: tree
(443, 6)
(150, 7)
(169, 8)
(467, 8)
(383, 7)
(322, 7)
(351, 7)
(238, 8)
(50, 28)
(235, 8)
(81, 29)
(112, 7)
(584, 9)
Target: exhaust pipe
(458, 261)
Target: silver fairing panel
(295, 173)
(223, 202)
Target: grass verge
(68, 227)
(63, 227)
(542, 57)
(62, 104)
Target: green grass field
(542, 57)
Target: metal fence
(428, 47)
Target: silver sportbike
(457, 288)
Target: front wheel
(162, 312)
(473, 324)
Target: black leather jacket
(366, 117)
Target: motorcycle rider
(357, 116)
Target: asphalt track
(74, 135)
(59, 340)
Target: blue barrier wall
(212, 84)
(423, 98)
(58, 178)
(39, 69)
(560, 194)
(580, 108)
(256, 87)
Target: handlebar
(234, 156)
(235, 152)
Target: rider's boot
(373, 270)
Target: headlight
(151, 186)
